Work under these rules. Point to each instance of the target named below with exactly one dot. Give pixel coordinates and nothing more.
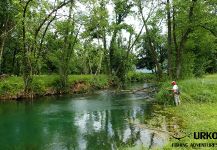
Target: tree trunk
(153, 53)
(66, 52)
(100, 62)
(100, 59)
(111, 50)
(174, 39)
(90, 66)
(27, 66)
(2, 43)
(169, 41)
(150, 43)
(14, 61)
(37, 68)
(106, 56)
(33, 49)
(183, 40)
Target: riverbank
(12, 87)
(197, 112)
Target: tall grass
(41, 84)
(198, 109)
(140, 77)
(13, 85)
(192, 90)
(99, 81)
(199, 117)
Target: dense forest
(113, 37)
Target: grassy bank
(141, 77)
(192, 90)
(198, 109)
(12, 86)
(195, 118)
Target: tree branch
(48, 16)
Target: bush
(99, 82)
(57, 85)
(11, 86)
(139, 76)
(95, 81)
(38, 86)
(43, 84)
(164, 95)
(6, 87)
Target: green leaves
(102, 35)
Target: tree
(188, 23)
(169, 40)
(7, 12)
(38, 37)
(151, 45)
(96, 26)
(27, 66)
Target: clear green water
(96, 121)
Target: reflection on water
(99, 121)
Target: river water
(103, 120)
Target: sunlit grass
(197, 118)
(198, 109)
(11, 84)
(14, 85)
(192, 90)
(140, 77)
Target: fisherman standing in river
(176, 92)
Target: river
(103, 120)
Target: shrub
(139, 76)
(11, 86)
(6, 87)
(57, 85)
(164, 95)
(38, 86)
(99, 82)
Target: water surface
(102, 120)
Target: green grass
(99, 81)
(196, 118)
(140, 77)
(192, 90)
(41, 84)
(13, 85)
(198, 109)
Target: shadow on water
(103, 120)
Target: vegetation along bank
(12, 87)
(197, 111)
